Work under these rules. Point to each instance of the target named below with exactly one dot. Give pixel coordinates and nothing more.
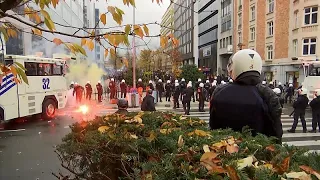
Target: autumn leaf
(151, 137)
(57, 41)
(12, 33)
(54, 3)
(208, 156)
(206, 148)
(17, 81)
(270, 148)
(232, 148)
(49, 23)
(103, 129)
(138, 31)
(309, 170)
(90, 45)
(132, 2)
(36, 17)
(163, 41)
(83, 42)
(1, 76)
(4, 32)
(113, 53)
(180, 141)
(246, 162)
(37, 32)
(220, 144)
(146, 30)
(103, 18)
(166, 125)
(298, 175)
(232, 173)
(106, 52)
(79, 49)
(45, 14)
(13, 71)
(201, 133)
(133, 136)
(127, 29)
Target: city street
(28, 152)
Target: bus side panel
(9, 100)
(311, 83)
(28, 104)
(62, 99)
(45, 84)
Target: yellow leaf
(152, 136)
(220, 145)
(13, 71)
(103, 129)
(133, 136)
(206, 148)
(57, 41)
(246, 162)
(12, 33)
(299, 175)
(83, 42)
(106, 52)
(49, 23)
(54, 3)
(138, 119)
(180, 141)
(36, 17)
(200, 133)
(111, 9)
(146, 30)
(127, 29)
(45, 14)
(103, 18)
(309, 170)
(37, 32)
(163, 41)
(138, 31)
(112, 52)
(208, 156)
(232, 173)
(132, 2)
(90, 45)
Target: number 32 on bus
(46, 92)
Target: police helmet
(244, 61)
(201, 85)
(123, 80)
(160, 80)
(112, 79)
(139, 79)
(230, 80)
(183, 79)
(176, 84)
(317, 92)
(222, 82)
(279, 83)
(290, 85)
(277, 90)
(207, 81)
(122, 104)
(270, 82)
(199, 80)
(168, 82)
(72, 82)
(88, 82)
(189, 85)
(150, 82)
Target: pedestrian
(148, 102)
(271, 86)
(160, 89)
(300, 106)
(78, 90)
(176, 94)
(122, 106)
(100, 91)
(212, 88)
(207, 86)
(246, 102)
(290, 92)
(88, 90)
(183, 86)
(280, 87)
(279, 94)
(186, 98)
(315, 106)
(123, 89)
(168, 88)
(202, 93)
(112, 87)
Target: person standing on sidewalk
(160, 89)
(123, 89)
(100, 91)
(88, 91)
(168, 89)
(290, 92)
(176, 94)
(315, 105)
(186, 98)
(202, 93)
(300, 110)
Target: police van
(312, 77)
(46, 92)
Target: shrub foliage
(163, 146)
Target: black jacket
(122, 111)
(151, 86)
(201, 94)
(148, 104)
(290, 91)
(207, 86)
(159, 87)
(315, 104)
(183, 85)
(301, 103)
(99, 88)
(168, 88)
(187, 94)
(246, 102)
(176, 92)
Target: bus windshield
(314, 70)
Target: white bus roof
(33, 58)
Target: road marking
(303, 143)
(13, 130)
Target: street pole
(134, 52)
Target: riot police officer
(100, 91)
(315, 105)
(207, 86)
(160, 89)
(176, 94)
(183, 86)
(168, 88)
(202, 95)
(88, 91)
(112, 87)
(187, 94)
(123, 89)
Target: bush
(165, 146)
(191, 73)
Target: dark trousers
(112, 94)
(159, 95)
(175, 102)
(286, 98)
(201, 105)
(88, 95)
(186, 107)
(99, 97)
(315, 120)
(301, 114)
(168, 96)
(123, 94)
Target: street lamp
(134, 53)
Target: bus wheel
(48, 109)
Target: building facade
(263, 25)
(225, 35)
(208, 35)
(184, 11)
(167, 28)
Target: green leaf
(49, 24)
(126, 40)
(20, 66)
(81, 50)
(127, 29)
(23, 75)
(37, 1)
(45, 14)
(119, 11)
(4, 32)
(132, 2)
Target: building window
(270, 28)
(224, 42)
(271, 6)
(220, 43)
(252, 34)
(309, 46)
(270, 52)
(295, 47)
(253, 13)
(311, 15)
(240, 36)
(295, 17)
(227, 41)
(230, 39)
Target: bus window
(314, 71)
(8, 62)
(44, 69)
(31, 68)
(57, 69)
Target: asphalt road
(28, 153)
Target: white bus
(46, 92)
(312, 77)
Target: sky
(146, 12)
